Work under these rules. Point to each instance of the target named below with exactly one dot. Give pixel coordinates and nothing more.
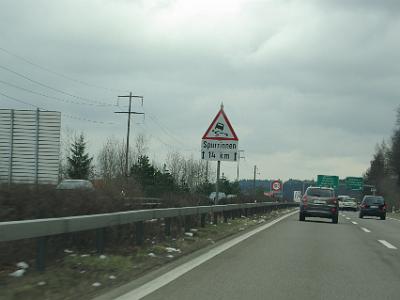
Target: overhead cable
(59, 74)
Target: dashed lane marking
(387, 244)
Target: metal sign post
(217, 183)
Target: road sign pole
(217, 183)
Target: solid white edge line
(365, 229)
(170, 276)
(387, 244)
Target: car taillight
(305, 200)
(333, 209)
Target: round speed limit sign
(276, 185)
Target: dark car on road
(319, 202)
(373, 206)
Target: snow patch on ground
(22, 265)
(18, 273)
(172, 250)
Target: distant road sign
(355, 183)
(297, 196)
(276, 186)
(328, 181)
(220, 142)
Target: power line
(50, 97)
(163, 142)
(20, 101)
(64, 114)
(53, 88)
(59, 74)
(167, 132)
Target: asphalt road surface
(355, 259)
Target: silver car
(75, 184)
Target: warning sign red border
(234, 138)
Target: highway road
(355, 259)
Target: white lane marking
(394, 219)
(348, 218)
(343, 215)
(163, 280)
(387, 244)
(365, 229)
(355, 223)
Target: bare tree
(140, 146)
(108, 159)
(175, 165)
(189, 172)
(111, 159)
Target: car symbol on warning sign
(219, 129)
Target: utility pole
(129, 112)
(237, 167)
(254, 180)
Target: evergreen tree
(395, 150)
(79, 162)
(153, 182)
(377, 171)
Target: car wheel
(360, 216)
(335, 219)
(383, 217)
(302, 217)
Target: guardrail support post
(225, 217)
(167, 226)
(203, 220)
(100, 240)
(187, 223)
(139, 228)
(41, 254)
(246, 212)
(215, 218)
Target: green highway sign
(354, 183)
(328, 181)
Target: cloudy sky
(309, 86)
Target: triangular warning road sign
(221, 129)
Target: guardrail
(43, 228)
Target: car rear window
(317, 192)
(374, 200)
(348, 200)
